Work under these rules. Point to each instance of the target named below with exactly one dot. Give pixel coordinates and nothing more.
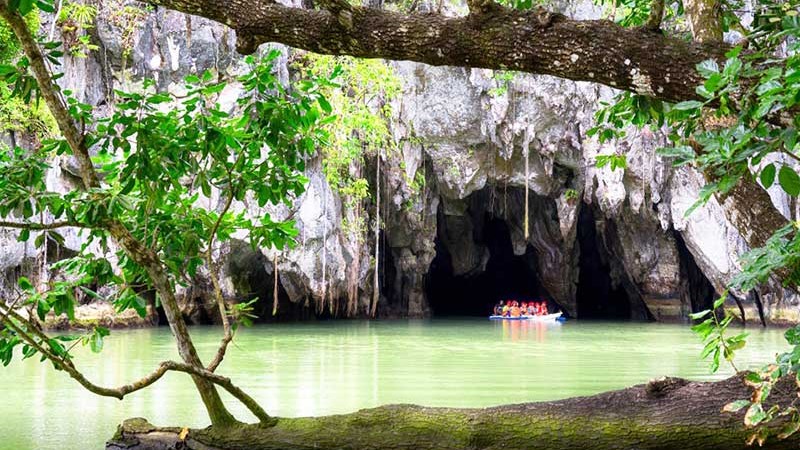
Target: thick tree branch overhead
(535, 41)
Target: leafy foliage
(712, 331)
(163, 159)
(613, 161)
(361, 102)
(634, 13)
(744, 130)
(75, 19)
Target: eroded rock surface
(467, 133)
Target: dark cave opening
(597, 297)
(254, 278)
(699, 289)
(505, 276)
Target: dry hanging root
(527, 193)
(321, 306)
(275, 287)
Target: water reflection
(528, 330)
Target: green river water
(342, 366)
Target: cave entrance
(597, 296)
(504, 275)
(253, 279)
(701, 293)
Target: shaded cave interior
(602, 288)
(504, 275)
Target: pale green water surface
(337, 367)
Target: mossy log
(670, 413)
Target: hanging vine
(361, 103)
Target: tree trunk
(704, 19)
(664, 414)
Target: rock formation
(601, 243)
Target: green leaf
(25, 6)
(708, 68)
(792, 335)
(96, 339)
(768, 175)
(323, 103)
(789, 181)
(688, 105)
(42, 308)
(90, 292)
(755, 414)
(45, 6)
(753, 378)
(736, 406)
(25, 284)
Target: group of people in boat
(513, 308)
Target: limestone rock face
(470, 142)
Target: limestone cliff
(600, 242)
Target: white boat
(544, 318)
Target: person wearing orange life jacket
(515, 311)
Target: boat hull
(545, 318)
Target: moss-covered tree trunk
(665, 414)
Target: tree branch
(664, 414)
(42, 226)
(8, 318)
(226, 323)
(534, 41)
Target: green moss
(413, 427)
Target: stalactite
(275, 285)
(375, 281)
